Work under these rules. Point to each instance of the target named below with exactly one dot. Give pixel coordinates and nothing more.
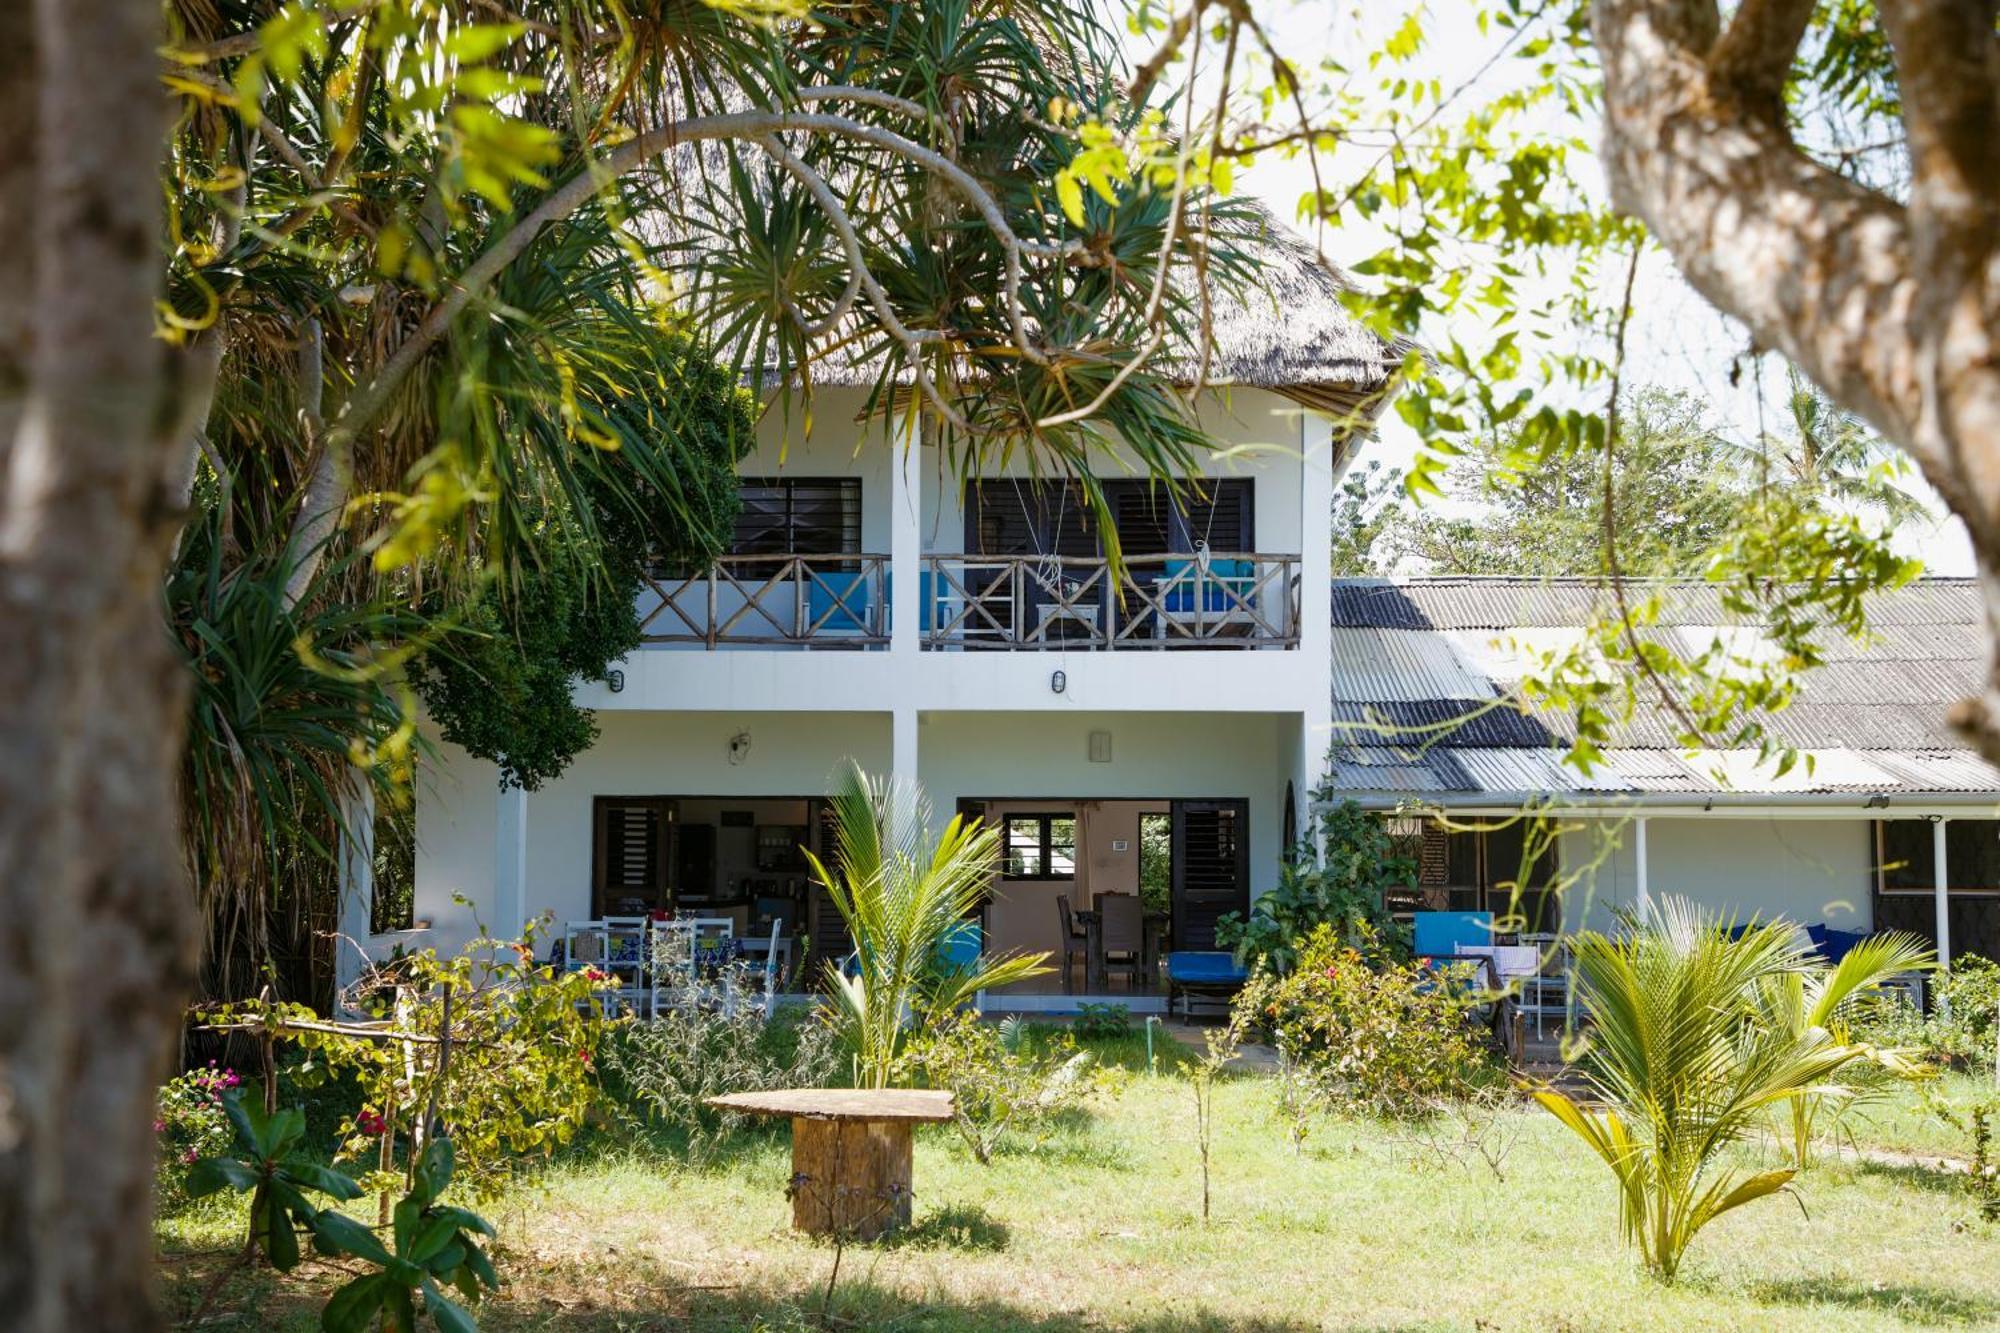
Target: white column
(1943, 892)
(510, 863)
(1641, 895)
(1318, 457)
(906, 551)
(903, 745)
(357, 882)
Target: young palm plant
(903, 898)
(1684, 1065)
(1818, 998)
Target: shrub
(1102, 1022)
(659, 1075)
(1369, 1034)
(1348, 893)
(1960, 1030)
(190, 1124)
(1002, 1084)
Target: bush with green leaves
(1963, 1024)
(520, 1077)
(190, 1124)
(432, 1246)
(1347, 892)
(659, 1075)
(1366, 1033)
(1102, 1022)
(272, 1169)
(1003, 1083)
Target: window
(1023, 517)
(799, 516)
(1971, 852)
(1038, 847)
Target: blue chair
(930, 598)
(1229, 586)
(1210, 973)
(837, 602)
(960, 947)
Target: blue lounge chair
(1210, 973)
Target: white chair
(1546, 994)
(675, 958)
(615, 946)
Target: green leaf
(349, 1236)
(337, 1184)
(1070, 195)
(354, 1305)
(451, 1317)
(213, 1173)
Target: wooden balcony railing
(822, 601)
(1027, 602)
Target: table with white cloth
(1510, 962)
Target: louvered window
(799, 516)
(630, 854)
(1023, 517)
(1211, 868)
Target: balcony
(978, 603)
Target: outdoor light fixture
(739, 747)
(1878, 801)
(616, 680)
(1059, 682)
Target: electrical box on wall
(1121, 845)
(1100, 747)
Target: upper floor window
(799, 516)
(1010, 516)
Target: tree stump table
(851, 1156)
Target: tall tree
(386, 220)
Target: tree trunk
(94, 930)
(1891, 306)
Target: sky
(1675, 338)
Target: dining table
(1096, 978)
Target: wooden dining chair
(1122, 934)
(1075, 943)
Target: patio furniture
(851, 1159)
(1209, 973)
(1438, 934)
(1116, 938)
(1546, 994)
(1075, 942)
(682, 953)
(1202, 598)
(616, 946)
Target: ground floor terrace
(1122, 835)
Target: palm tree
(1685, 1066)
(1817, 999)
(903, 898)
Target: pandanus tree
(1682, 1065)
(907, 894)
(286, 261)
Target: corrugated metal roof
(1424, 672)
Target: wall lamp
(1059, 682)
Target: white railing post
(1942, 890)
(355, 919)
(1642, 893)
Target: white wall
(638, 754)
(1155, 756)
(1804, 870)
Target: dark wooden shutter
(1211, 851)
(1144, 514)
(830, 941)
(1223, 515)
(629, 853)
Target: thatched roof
(1290, 332)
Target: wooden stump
(850, 1178)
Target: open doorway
(1161, 869)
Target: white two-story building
(1152, 732)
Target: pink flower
(159, 1126)
(188, 1156)
(370, 1123)
(595, 974)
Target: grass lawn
(1100, 1229)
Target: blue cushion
(1228, 586)
(1203, 967)
(1443, 932)
(930, 597)
(1839, 943)
(838, 601)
